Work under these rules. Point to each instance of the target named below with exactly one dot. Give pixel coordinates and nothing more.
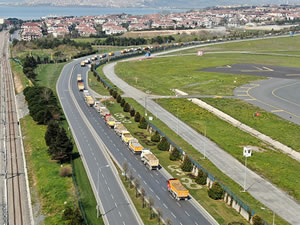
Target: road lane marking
(243, 95)
(164, 188)
(151, 175)
(124, 223)
(173, 215)
(139, 176)
(157, 181)
(105, 182)
(145, 182)
(288, 75)
(120, 214)
(178, 204)
(157, 197)
(150, 189)
(277, 110)
(112, 196)
(187, 213)
(165, 205)
(276, 89)
(108, 188)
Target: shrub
(123, 102)
(175, 155)
(257, 220)
(216, 192)
(126, 107)
(111, 91)
(119, 98)
(187, 164)
(137, 117)
(155, 137)
(65, 171)
(163, 145)
(115, 94)
(201, 178)
(132, 112)
(143, 124)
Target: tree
(125, 168)
(175, 155)
(201, 177)
(119, 98)
(137, 185)
(151, 203)
(126, 107)
(163, 145)
(216, 192)
(143, 194)
(187, 164)
(143, 123)
(159, 214)
(137, 117)
(123, 102)
(72, 216)
(115, 94)
(51, 133)
(257, 220)
(155, 137)
(132, 112)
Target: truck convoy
(178, 191)
(120, 128)
(135, 146)
(126, 137)
(149, 159)
(89, 100)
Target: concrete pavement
(271, 196)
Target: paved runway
(258, 70)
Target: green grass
(48, 74)
(219, 210)
(276, 45)
(277, 128)
(21, 81)
(95, 85)
(54, 191)
(267, 162)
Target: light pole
(247, 152)
(99, 169)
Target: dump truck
(111, 54)
(82, 64)
(80, 85)
(79, 77)
(120, 128)
(104, 111)
(110, 121)
(135, 146)
(178, 191)
(126, 137)
(97, 106)
(89, 100)
(149, 159)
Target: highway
(154, 182)
(261, 189)
(115, 204)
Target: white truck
(120, 128)
(149, 159)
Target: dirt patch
(18, 84)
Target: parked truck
(149, 159)
(89, 100)
(120, 128)
(82, 64)
(79, 77)
(110, 120)
(126, 137)
(104, 111)
(111, 54)
(135, 146)
(80, 85)
(178, 191)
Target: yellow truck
(126, 137)
(135, 146)
(89, 100)
(110, 121)
(149, 159)
(178, 191)
(111, 54)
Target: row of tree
(50, 43)
(29, 66)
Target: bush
(137, 117)
(201, 178)
(111, 91)
(126, 107)
(155, 137)
(187, 164)
(163, 145)
(216, 192)
(123, 102)
(132, 112)
(65, 171)
(119, 98)
(72, 216)
(115, 94)
(257, 220)
(175, 155)
(143, 124)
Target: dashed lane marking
(157, 197)
(150, 189)
(120, 214)
(112, 196)
(178, 204)
(173, 215)
(187, 213)
(165, 205)
(277, 110)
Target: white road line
(157, 197)
(105, 182)
(139, 176)
(181, 223)
(187, 213)
(102, 175)
(165, 205)
(108, 188)
(112, 196)
(97, 164)
(116, 205)
(134, 169)
(173, 215)
(124, 223)
(157, 181)
(196, 223)
(120, 214)
(151, 175)
(150, 189)
(178, 204)
(145, 182)
(164, 188)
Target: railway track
(14, 164)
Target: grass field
(20, 79)
(277, 128)
(95, 85)
(266, 161)
(283, 45)
(220, 211)
(54, 191)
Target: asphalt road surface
(258, 187)
(154, 182)
(279, 96)
(115, 207)
(258, 70)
